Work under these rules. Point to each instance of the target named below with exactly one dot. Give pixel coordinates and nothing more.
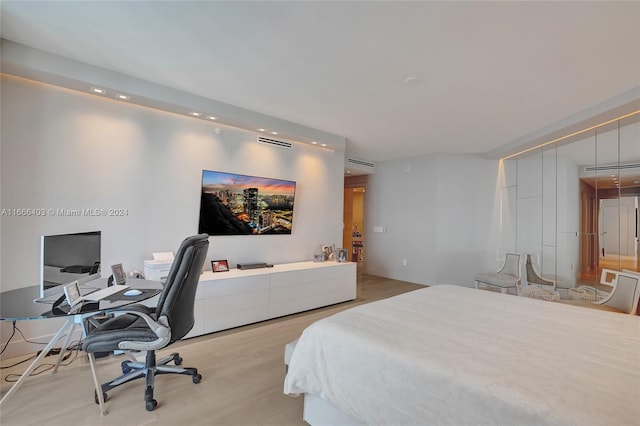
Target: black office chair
(140, 328)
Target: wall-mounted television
(68, 257)
(232, 204)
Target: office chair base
(149, 369)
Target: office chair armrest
(160, 328)
(136, 307)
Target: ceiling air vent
(612, 167)
(353, 164)
(275, 142)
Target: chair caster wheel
(196, 379)
(95, 397)
(177, 360)
(125, 367)
(151, 405)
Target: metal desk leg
(77, 319)
(68, 324)
(96, 382)
(65, 345)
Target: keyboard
(104, 293)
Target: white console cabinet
(238, 297)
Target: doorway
(618, 237)
(353, 235)
(609, 223)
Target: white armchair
(507, 277)
(556, 282)
(625, 294)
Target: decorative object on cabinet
(328, 251)
(343, 255)
(219, 266)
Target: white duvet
(449, 355)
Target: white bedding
(460, 356)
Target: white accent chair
(625, 294)
(556, 282)
(507, 277)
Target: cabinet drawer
(218, 288)
(293, 278)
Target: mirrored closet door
(572, 206)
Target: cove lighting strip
(571, 135)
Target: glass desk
(19, 305)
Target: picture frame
(318, 257)
(72, 293)
(119, 276)
(220, 265)
(328, 251)
(342, 255)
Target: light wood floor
(616, 262)
(242, 369)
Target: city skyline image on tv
(233, 204)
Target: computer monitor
(68, 257)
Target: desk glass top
(18, 304)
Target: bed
(460, 356)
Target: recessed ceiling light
(348, 171)
(261, 130)
(211, 117)
(196, 114)
(274, 133)
(323, 144)
(123, 97)
(98, 90)
(314, 143)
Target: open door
(353, 235)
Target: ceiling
(482, 75)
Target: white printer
(158, 268)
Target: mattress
(460, 356)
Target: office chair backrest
(179, 292)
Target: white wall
(441, 215)
(467, 226)
(400, 197)
(63, 149)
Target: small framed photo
(343, 255)
(219, 265)
(318, 257)
(328, 252)
(119, 277)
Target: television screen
(232, 204)
(68, 257)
